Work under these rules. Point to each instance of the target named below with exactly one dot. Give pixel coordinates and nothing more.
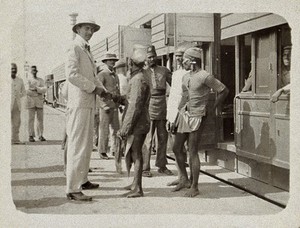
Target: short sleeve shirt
(198, 86)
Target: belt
(158, 96)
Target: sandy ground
(38, 185)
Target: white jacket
(80, 72)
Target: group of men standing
(145, 116)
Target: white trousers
(80, 124)
(15, 122)
(40, 121)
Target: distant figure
(83, 87)
(109, 116)
(136, 122)
(160, 76)
(35, 90)
(17, 92)
(285, 75)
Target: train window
(265, 61)
(284, 56)
(245, 63)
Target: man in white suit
(35, 90)
(17, 92)
(82, 89)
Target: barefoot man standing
(136, 122)
(197, 84)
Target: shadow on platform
(47, 169)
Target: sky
(48, 29)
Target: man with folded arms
(35, 90)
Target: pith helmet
(120, 63)
(151, 51)
(193, 52)
(88, 21)
(110, 56)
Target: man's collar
(110, 71)
(82, 42)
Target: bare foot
(181, 185)
(173, 183)
(192, 192)
(134, 194)
(129, 187)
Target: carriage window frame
(283, 40)
(245, 65)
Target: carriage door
(129, 36)
(254, 123)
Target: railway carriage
(250, 134)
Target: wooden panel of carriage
(261, 127)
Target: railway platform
(38, 185)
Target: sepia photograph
(149, 113)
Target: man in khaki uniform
(82, 89)
(109, 117)
(35, 90)
(17, 92)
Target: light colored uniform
(175, 95)
(17, 92)
(81, 70)
(34, 104)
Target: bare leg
(136, 150)
(191, 171)
(183, 181)
(65, 154)
(195, 163)
(176, 182)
